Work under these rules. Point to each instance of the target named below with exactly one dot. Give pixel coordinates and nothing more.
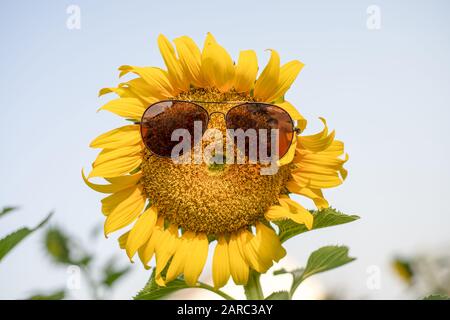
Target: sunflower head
(177, 210)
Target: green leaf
(437, 297)
(152, 291)
(279, 295)
(323, 259)
(57, 295)
(7, 210)
(111, 273)
(326, 258)
(322, 219)
(57, 245)
(13, 239)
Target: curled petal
(288, 74)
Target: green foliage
(13, 239)
(323, 259)
(404, 269)
(7, 210)
(253, 289)
(322, 219)
(63, 250)
(326, 258)
(437, 297)
(57, 245)
(152, 291)
(112, 273)
(57, 295)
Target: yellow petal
(175, 70)
(295, 115)
(110, 202)
(141, 231)
(267, 82)
(156, 78)
(121, 92)
(166, 247)
(148, 249)
(217, 66)
(120, 137)
(317, 142)
(314, 194)
(130, 108)
(221, 267)
(190, 59)
(116, 167)
(181, 255)
(140, 89)
(110, 154)
(288, 74)
(318, 180)
(125, 212)
(123, 240)
(250, 245)
(238, 267)
(289, 156)
(297, 212)
(198, 252)
(269, 243)
(246, 70)
(120, 183)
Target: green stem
(253, 289)
(216, 291)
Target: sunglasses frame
(295, 130)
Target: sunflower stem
(253, 290)
(216, 291)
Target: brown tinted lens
(162, 118)
(263, 116)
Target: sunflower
(176, 211)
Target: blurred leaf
(152, 291)
(13, 239)
(279, 295)
(323, 259)
(403, 269)
(323, 218)
(7, 210)
(111, 273)
(57, 245)
(437, 297)
(57, 295)
(61, 249)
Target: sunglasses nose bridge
(217, 120)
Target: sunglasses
(161, 119)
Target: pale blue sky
(386, 93)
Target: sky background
(386, 92)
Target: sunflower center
(212, 198)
